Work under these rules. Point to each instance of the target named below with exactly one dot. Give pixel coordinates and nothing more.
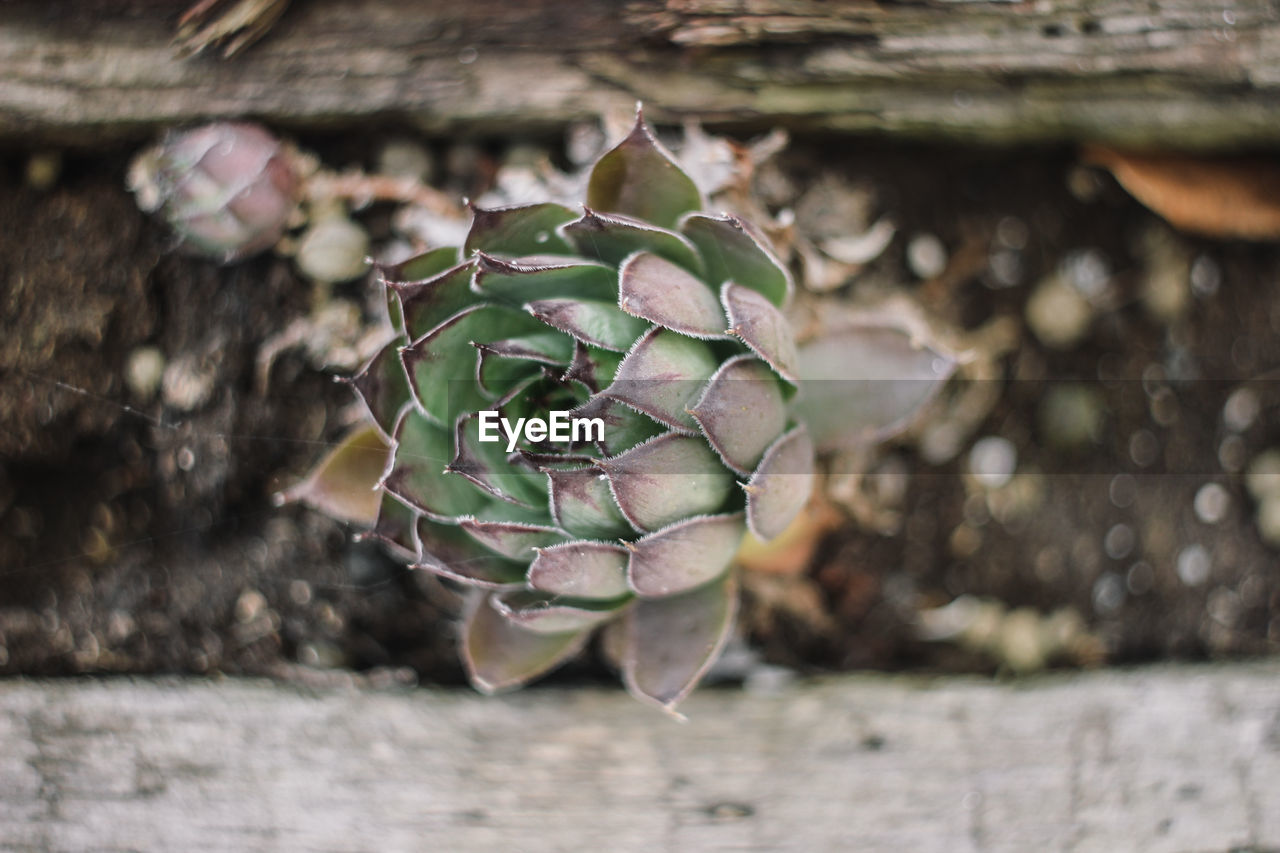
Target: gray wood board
(1163, 759)
(1175, 72)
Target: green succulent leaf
(513, 539)
(590, 321)
(485, 465)
(657, 290)
(543, 614)
(667, 479)
(419, 268)
(762, 327)
(742, 411)
(612, 239)
(732, 253)
(624, 427)
(507, 364)
(639, 178)
(418, 478)
(499, 655)
(527, 229)
(684, 555)
(781, 486)
(662, 375)
(593, 570)
(442, 365)
(383, 388)
(669, 643)
(583, 505)
(426, 303)
(448, 551)
(519, 282)
(593, 367)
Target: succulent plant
(226, 188)
(659, 328)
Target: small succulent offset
(227, 188)
(662, 325)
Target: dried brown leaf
(1227, 197)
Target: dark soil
(139, 538)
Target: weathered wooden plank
(1166, 759)
(1191, 72)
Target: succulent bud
(226, 188)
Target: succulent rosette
(659, 327)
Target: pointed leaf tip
(500, 655)
(684, 555)
(781, 486)
(639, 178)
(666, 479)
(742, 411)
(661, 292)
(762, 327)
(670, 643)
(732, 251)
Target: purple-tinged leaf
(517, 540)
(639, 178)
(544, 614)
(742, 411)
(593, 367)
(582, 504)
(581, 570)
(762, 327)
(666, 479)
(499, 655)
(426, 303)
(449, 552)
(672, 642)
(591, 321)
(485, 464)
(612, 239)
(418, 478)
(661, 292)
(781, 486)
(624, 427)
(345, 483)
(684, 555)
(527, 229)
(662, 375)
(731, 252)
(525, 280)
(862, 384)
(395, 528)
(382, 386)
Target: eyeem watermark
(559, 427)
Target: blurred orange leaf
(1228, 197)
